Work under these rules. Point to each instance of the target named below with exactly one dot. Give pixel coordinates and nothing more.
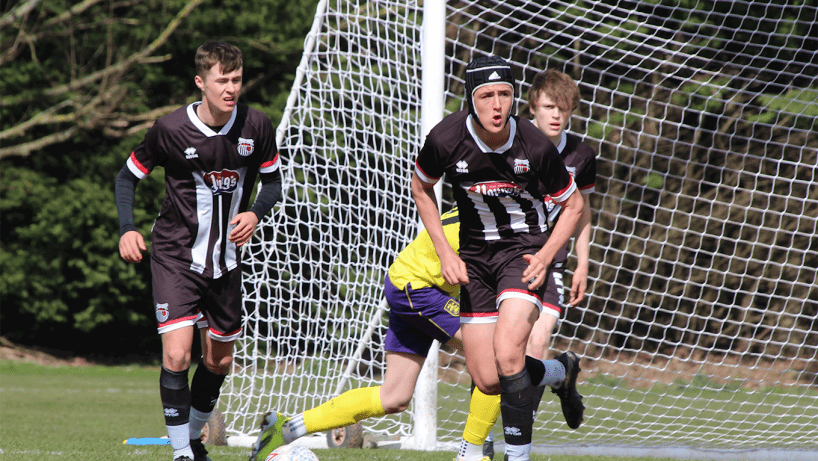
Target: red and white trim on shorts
(201, 322)
(224, 337)
(478, 317)
(551, 309)
(514, 293)
(175, 324)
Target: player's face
(493, 104)
(220, 90)
(550, 118)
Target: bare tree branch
(18, 12)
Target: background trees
(80, 83)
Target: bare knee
(176, 359)
(394, 403)
(219, 365)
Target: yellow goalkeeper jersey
(418, 263)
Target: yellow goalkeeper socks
(483, 412)
(346, 409)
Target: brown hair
(558, 86)
(212, 53)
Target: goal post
(698, 336)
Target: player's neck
(496, 140)
(211, 116)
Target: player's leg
(176, 295)
(517, 317)
(219, 327)
(416, 319)
(402, 371)
(559, 374)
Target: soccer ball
(292, 453)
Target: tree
(81, 82)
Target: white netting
(699, 328)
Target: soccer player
(552, 99)
(212, 151)
(422, 308)
(502, 171)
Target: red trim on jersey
(589, 186)
(270, 163)
(564, 190)
(183, 319)
(425, 174)
(137, 164)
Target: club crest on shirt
(162, 312)
(222, 182)
(245, 147)
(521, 166)
(452, 307)
(496, 189)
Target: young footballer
(212, 151)
(422, 307)
(552, 98)
(502, 170)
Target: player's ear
(199, 82)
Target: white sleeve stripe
(135, 170)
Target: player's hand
(534, 274)
(453, 269)
(579, 283)
(245, 226)
(131, 246)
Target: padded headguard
(486, 71)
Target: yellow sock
(483, 412)
(344, 410)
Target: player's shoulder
(452, 124)
(575, 144)
(174, 118)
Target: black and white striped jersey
(209, 177)
(499, 193)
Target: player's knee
(176, 360)
(219, 365)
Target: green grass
(85, 413)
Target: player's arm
(267, 197)
(131, 242)
(452, 268)
(582, 244)
(571, 211)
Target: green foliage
(62, 274)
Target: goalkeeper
(552, 99)
(422, 308)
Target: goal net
(698, 333)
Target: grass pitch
(85, 413)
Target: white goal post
(698, 336)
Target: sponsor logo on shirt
(462, 166)
(521, 166)
(245, 147)
(190, 153)
(496, 189)
(222, 182)
(162, 312)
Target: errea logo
(190, 153)
(462, 166)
